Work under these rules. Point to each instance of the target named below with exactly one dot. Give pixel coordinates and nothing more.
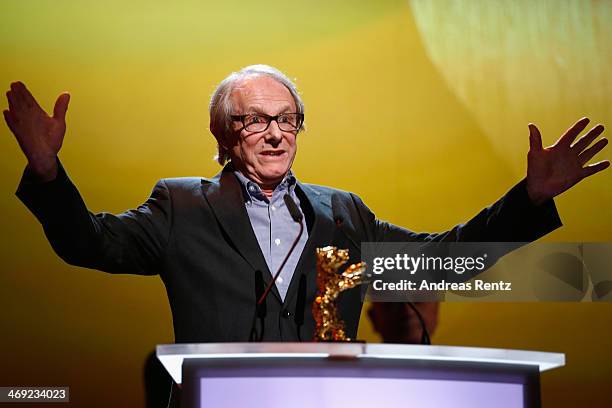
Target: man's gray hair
(220, 108)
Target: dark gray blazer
(195, 233)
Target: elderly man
(216, 243)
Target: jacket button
(286, 314)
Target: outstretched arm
(132, 242)
(527, 211)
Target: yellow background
(419, 107)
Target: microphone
(294, 211)
(297, 216)
(260, 311)
(338, 208)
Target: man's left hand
(554, 169)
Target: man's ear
(228, 139)
(219, 135)
(215, 132)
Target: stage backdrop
(419, 107)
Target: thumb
(61, 106)
(535, 138)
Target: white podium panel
(360, 375)
(343, 391)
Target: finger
(588, 154)
(10, 120)
(18, 95)
(595, 168)
(535, 138)
(61, 106)
(13, 103)
(587, 139)
(571, 133)
(27, 96)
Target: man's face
(264, 157)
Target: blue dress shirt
(274, 228)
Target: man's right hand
(39, 135)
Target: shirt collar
(252, 191)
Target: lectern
(338, 375)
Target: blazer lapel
(318, 206)
(226, 199)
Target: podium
(338, 375)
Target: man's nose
(274, 135)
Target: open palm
(39, 135)
(554, 169)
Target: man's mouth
(272, 152)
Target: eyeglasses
(259, 122)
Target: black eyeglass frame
(299, 116)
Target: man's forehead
(261, 90)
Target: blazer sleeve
(131, 242)
(512, 218)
